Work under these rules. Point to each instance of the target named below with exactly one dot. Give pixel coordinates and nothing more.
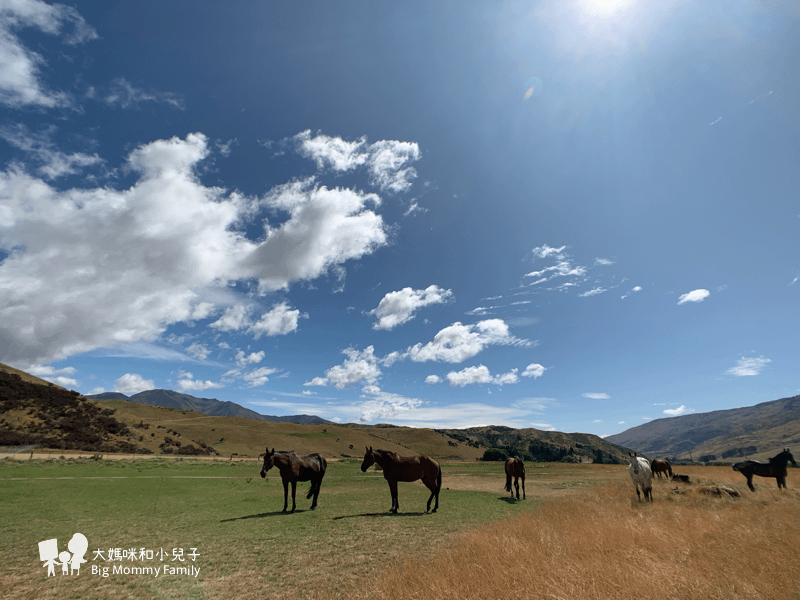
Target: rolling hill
(723, 435)
(206, 406)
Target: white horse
(642, 475)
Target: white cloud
(53, 375)
(280, 320)
(253, 358)
(694, 296)
(674, 412)
(749, 366)
(433, 379)
(259, 376)
(385, 160)
(470, 375)
(359, 366)
(534, 370)
(20, 67)
(631, 291)
(126, 95)
(593, 292)
(458, 342)
(386, 406)
(188, 383)
(480, 374)
(396, 308)
(596, 395)
(162, 251)
(132, 383)
(198, 350)
(40, 149)
(605, 262)
(544, 251)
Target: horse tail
(669, 468)
(439, 479)
(508, 480)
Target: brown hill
(724, 435)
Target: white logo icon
(70, 561)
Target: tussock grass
(601, 544)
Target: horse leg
(637, 492)
(523, 487)
(294, 489)
(315, 489)
(395, 501)
(285, 494)
(516, 486)
(750, 483)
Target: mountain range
(206, 406)
(760, 431)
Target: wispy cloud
(631, 291)
(596, 395)
(748, 367)
(123, 93)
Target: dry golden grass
(602, 544)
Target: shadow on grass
(277, 513)
(509, 500)
(382, 514)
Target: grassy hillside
(726, 435)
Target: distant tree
(495, 454)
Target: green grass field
(246, 547)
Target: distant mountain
(206, 406)
(761, 430)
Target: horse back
(412, 468)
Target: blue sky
(567, 215)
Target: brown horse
(515, 468)
(776, 467)
(294, 468)
(661, 466)
(406, 468)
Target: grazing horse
(406, 468)
(515, 468)
(776, 467)
(294, 468)
(659, 466)
(642, 475)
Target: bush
(495, 454)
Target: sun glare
(606, 8)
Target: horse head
(269, 462)
(369, 460)
(789, 457)
(634, 462)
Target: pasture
(581, 533)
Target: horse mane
(388, 453)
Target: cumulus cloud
(457, 342)
(58, 376)
(433, 379)
(694, 296)
(596, 395)
(162, 251)
(198, 350)
(188, 383)
(674, 412)
(132, 383)
(396, 308)
(534, 370)
(359, 366)
(243, 359)
(386, 160)
(280, 320)
(748, 367)
(20, 67)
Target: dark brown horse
(776, 467)
(294, 468)
(406, 468)
(515, 468)
(659, 466)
